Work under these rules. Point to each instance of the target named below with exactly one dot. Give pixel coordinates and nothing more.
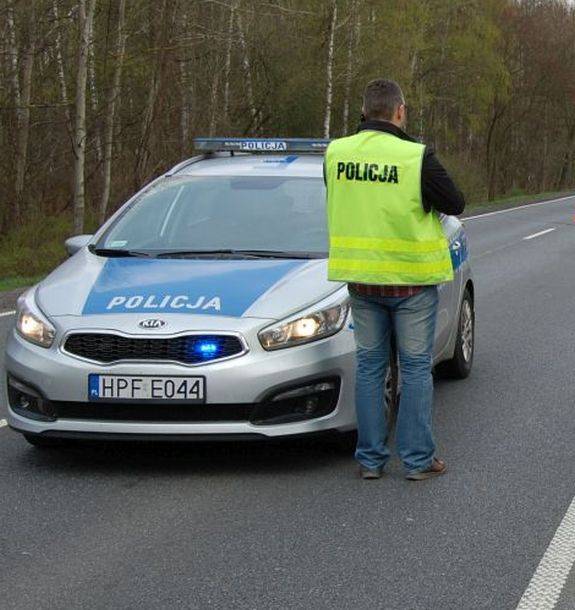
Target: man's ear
(401, 114)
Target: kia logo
(152, 323)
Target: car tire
(44, 442)
(459, 367)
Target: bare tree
(86, 10)
(352, 44)
(248, 73)
(13, 51)
(60, 66)
(158, 29)
(23, 114)
(228, 60)
(92, 85)
(329, 70)
(186, 84)
(111, 109)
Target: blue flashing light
(207, 349)
(261, 145)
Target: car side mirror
(73, 244)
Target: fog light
(311, 405)
(302, 403)
(306, 390)
(28, 402)
(23, 401)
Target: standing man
(384, 192)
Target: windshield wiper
(120, 253)
(281, 254)
(241, 253)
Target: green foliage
(13, 283)
(35, 248)
(468, 177)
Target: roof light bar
(261, 145)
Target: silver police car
(202, 309)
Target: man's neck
(388, 121)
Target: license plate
(146, 387)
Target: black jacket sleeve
(438, 189)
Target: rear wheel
(459, 367)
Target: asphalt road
(290, 525)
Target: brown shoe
(370, 473)
(437, 467)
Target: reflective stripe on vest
(379, 231)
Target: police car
(202, 309)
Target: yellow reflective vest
(379, 232)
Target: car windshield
(187, 215)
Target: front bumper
(247, 380)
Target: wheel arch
(469, 285)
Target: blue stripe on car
(458, 249)
(227, 288)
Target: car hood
(87, 285)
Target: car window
(225, 212)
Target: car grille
(188, 349)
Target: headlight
(33, 328)
(310, 327)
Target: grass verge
(515, 201)
(13, 283)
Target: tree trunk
(60, 68)
(248, 72)
(352, 45)
(86, 10)
(111, 110)
(214, 102)
(228, 62)
(159, 33)
(143, 152)
(13, 52)
(567, 159)
(24, 115)
(94, 94)
(185, 88)
(490, 154)
(329, 71)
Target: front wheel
(459, 367)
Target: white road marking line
(519, 207)
(540, 233)
(3, 423)
(3, 314)
(545, 587)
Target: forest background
(97, 97)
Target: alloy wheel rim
(467, 331)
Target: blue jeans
(413, 321)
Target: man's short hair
(381, 99)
